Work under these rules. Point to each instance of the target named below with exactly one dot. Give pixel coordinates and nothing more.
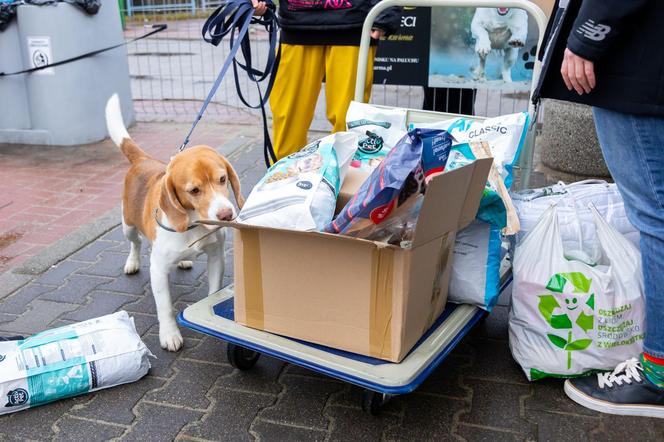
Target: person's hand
(578, 73)
(376, 33)
(260, 8)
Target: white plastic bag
(379, 129)
(300, 191)
(575, 220)
(568, 317)
(71, 360)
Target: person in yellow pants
(319, 42)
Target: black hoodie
(330, 22)
(624, 39)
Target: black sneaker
(624, 391)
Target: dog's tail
(118, 131)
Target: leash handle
(233, 19)
(156, 28)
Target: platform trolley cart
(380, 379)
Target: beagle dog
(162, 202)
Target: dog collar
(168, 229)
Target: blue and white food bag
(300, 191)
(505, 134)
(475, 275)
(379, 129)
(71, 360)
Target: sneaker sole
(608, 407)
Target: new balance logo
(592, 31)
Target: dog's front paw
(170, 338)
(132, 266)
(185, 265)
(516, 43)
(483, 48)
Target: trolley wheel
(372, 401)
(241, 358)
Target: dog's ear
(170, 204)
(235, 182)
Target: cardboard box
(351, 294)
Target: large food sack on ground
(300, 191)
(505, 134)
(379, 129)
(475, 277)
(569, 317)
(71, 360)
(393, 190)
(577, 228)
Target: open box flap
(242, 226)
(451, 201)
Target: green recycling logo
(578, 308)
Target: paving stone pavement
(478, 393)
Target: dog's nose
(225, 214)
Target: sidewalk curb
(15, 278)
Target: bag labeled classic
(570, 317)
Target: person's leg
(340, 73)
(633, 149)
(294, 95)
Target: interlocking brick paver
(620, 428)
(302, 401)
(209, 349)
(553, 427)
(90, 253)
(497, 405)
(36, 423)
(75, 289)
(479, 434)
(159, 423)
(38, 317)
(352, 396)
(273, 431)
(18, 302)
(56, 275)
(161, 363)
(72, 429)
(494, 325)
(425, 417)
(260, 379)
(115, 405)
(230, 416)
(101, 303)
(548, 395)
(189, 385)
(493, 360)
(145, 323)
(111, 265)
(349, 425)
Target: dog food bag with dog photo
(505, 134)
(394, 186)
(379, 130)
(569, 317)
(300, 191)
(71, 360)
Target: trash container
(13, 92)
(65, 104)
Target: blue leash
(233, 19)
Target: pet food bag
(475, 275)
(505, 134)
(393, 190)
(569, 317)
(71, 360)
(300, 191)
(379, 130)
(575, 220)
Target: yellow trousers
(297, 86)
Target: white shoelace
(624, 372)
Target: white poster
(39, 54)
